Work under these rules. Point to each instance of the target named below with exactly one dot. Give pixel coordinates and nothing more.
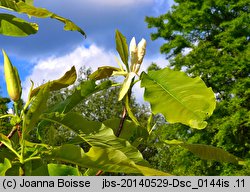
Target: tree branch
(11, 133)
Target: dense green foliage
(209, 39)
(110, 142)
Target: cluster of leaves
(112, 142)
(107, 146)
(11, 25)
(210, 39)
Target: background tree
(209, 39)
(5, 126)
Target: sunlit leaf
(126, 85)
(130, 130)
(207, 152)
(106, 159)
(67, 79)
(103, 72)
(4, 166)
(178, 97)
(122, 47)
(62, 170)
(27, 8)
(95, 134)
(13, 26)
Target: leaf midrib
(174, 97)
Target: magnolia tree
(112, 143)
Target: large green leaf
(178, 97)
(122, 47)
(95, 133)
(4, 166)
(67, 79)
(27, 8)
(96, 158)
(207, 152)
(103, 72)
(106, 159)
(13, 26)
(130, 130)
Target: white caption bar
(126, 183)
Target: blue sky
(52, 51)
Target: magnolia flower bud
(141, 50)
(12, 79)
(133, 53)
(136, 68)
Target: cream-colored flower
(133, 53)
(141, 50)
(137, 54)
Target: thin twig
(123, 118)
(10, 134)
(118, 132)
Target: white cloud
(54, 67)
(118, 3)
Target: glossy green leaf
(38, 106)
(14, 26)
(130, 130)
(4, 166)
(126, 85)
(105, 138)
(103, 72)
(122, 47)
(178, 97)
(207, 152)
(96, 158)
(95, 134)
(62, 170)
(105, 159)
(67, 79)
